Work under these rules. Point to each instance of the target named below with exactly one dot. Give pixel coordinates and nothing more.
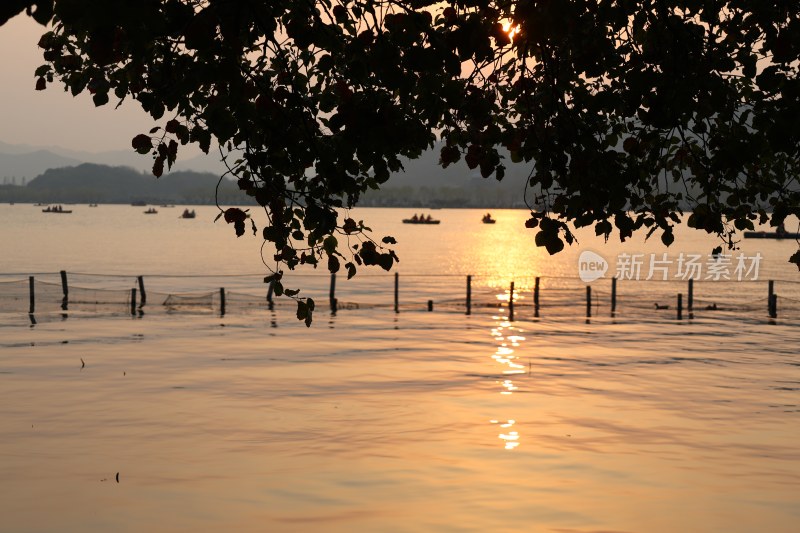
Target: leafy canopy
(625, 110)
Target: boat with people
(151, 211)
(421, 219)
(188, 213)
(56, 209)
(487, 219)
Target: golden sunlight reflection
(510, 438)
(509, 339)
(519, 295)
(509, 387)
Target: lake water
(379, 421)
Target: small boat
(422, 219)
(487, 219)
(56, 209)
(165, 205)
(92, 205)
(151, 211)
(770, 235)
(188, 214)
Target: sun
(510, 29)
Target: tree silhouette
(624, 110)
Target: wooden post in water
(511, 303)
(222, 301)
(133, 301)
(469, 295)
(773, 306)
(690, 298)
(32, 307)
(65, 290)
(770, 293)
(430, 305)
(396, 292)
(588, 301)
(536, 298)
(613, 296)
(142, 294)
(332, 292)
(270, 303)
(680, 306)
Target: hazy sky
(52, 116)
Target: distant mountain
(30, 161)
(193, 179)
(144, 163)
(6, 148)
(90, 183)
(201, 163)
(425, 171)
(26, 166)
(423, 183)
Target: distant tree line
(90, 183)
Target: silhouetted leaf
(549, 240)
(142, 143)
(795, 259)
(350, 226)
(667, 237)
(158, 166)
(351, 270)
(554, 246)
(277, 288)
(100, 99)
(333, 264)
(310, 304)
(329, 244)
(273, 277)
(302, 310)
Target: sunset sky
(53, 117)
(591, 330)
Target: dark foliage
(624, 110)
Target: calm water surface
(377, 421)
(119, 239)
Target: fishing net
(532, 297)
